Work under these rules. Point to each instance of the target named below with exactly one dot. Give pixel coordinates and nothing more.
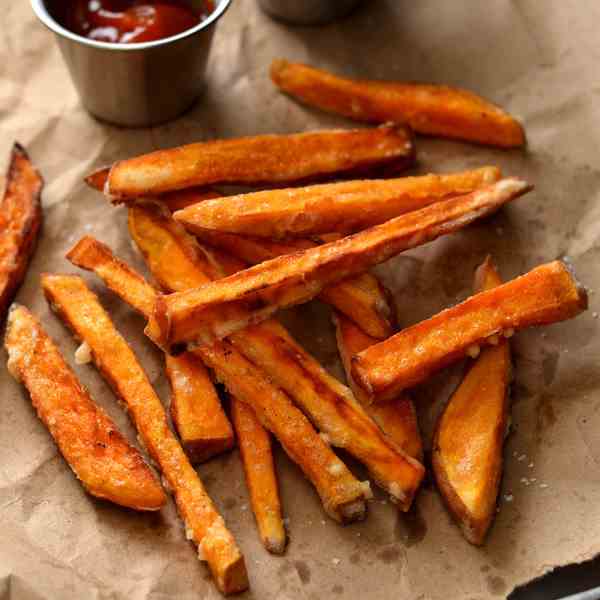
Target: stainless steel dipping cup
(308, 12)
(136, 85)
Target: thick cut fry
(257, 457)
(82, 312)
(197, 414)
(362, 297)
(344, 207)
(429, 109)
(467, 445)
(196, 411)
(265, 159)
(107, 466)
(328, 404)
(342, 495)
(220, 308)
(397, 418)
(331, 407)
(543, 296)
(20, 221)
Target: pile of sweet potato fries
(223, 266)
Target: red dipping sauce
(132, 21)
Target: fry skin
(107, 466)
(20, 222)
(81, 311)
(544, 295)
(257, 458)
(196, 411)
(342, 494)
(468, 442)
(345, 207)
(362, 297)
(397, 418)
(264, 159)
(429, 109)
(328, 404)
(222, 307)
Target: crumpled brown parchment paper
(537, 59)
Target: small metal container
(308, 12)
(141, 84)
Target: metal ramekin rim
(39, 8)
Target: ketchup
(131, 21)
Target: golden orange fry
(342, 495)
(257, 457)
(217, 309)
(107, 466)
(467, 445)
(263, 159)
(397, 418)
(196, 411)
(81, 311)
(362, 297)
(344, 207)
(429, 109)
(545, 295)
(20, 221)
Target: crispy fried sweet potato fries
(20, 221)
(467, 445)
(107, 466)
(80, 309)
(545, 295)
(266, 159)
(217, 309)
(344, 207)
(430, 109)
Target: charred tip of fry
(582, 291)
(275, 545)
(97, 179)
(353, 511)
(19, 150)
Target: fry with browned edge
(80, 309)
(397, 418)
(344, 207)
(217, 309)
(429, 109)
(342, 495)
(20, 221)
(328, 404)
(107, 466)
(545, 295)
(264, 159)
(362, 298)
(196, 411)
(256, 453)
(467, 445)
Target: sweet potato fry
(20, 221)
(257, 457)
(328, 404)
(107, 466)
(362, 297)
(429, 109)
(397, 418)
(343, 496)
(197, 414)
(82, 312)
(173, 200)
(331, 407)
(545, 295)
(265, 159)
(344, 207)
(467, 445)
(220, 308)
(196, 411)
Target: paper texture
(537, 59)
